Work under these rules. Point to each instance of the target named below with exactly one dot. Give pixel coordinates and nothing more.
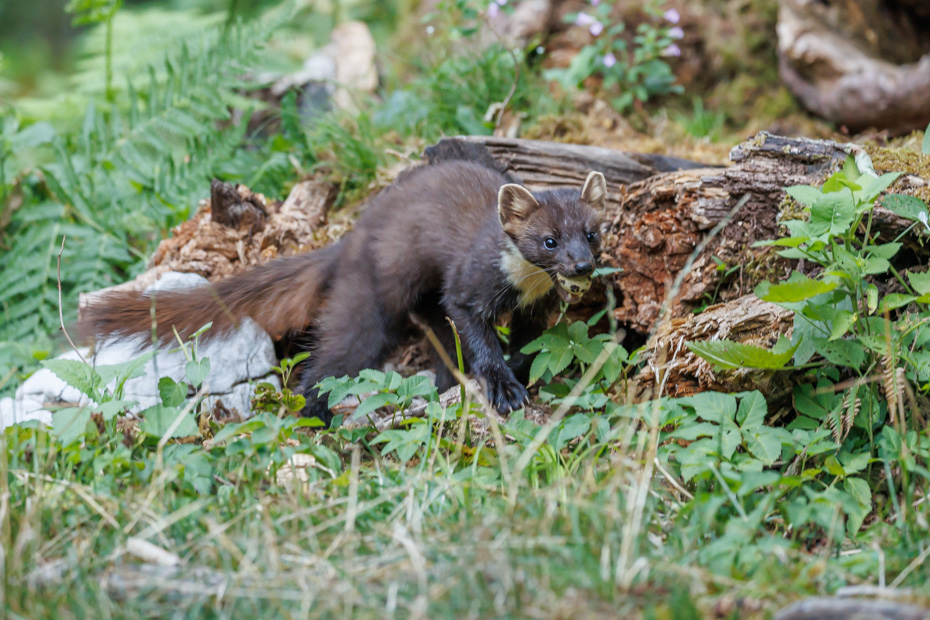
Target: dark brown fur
(431, 246)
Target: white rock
(237, 361)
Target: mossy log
(654, 223)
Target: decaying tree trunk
(826, 608)
(859, 63)
(656, 219)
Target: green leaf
(70, 424)
(847, 353)
(539, 366)
(172, 393)
(920, 281)
(908, 207)
(77, 374)
(892, 301)
(752, 410)
(728, 354)
(799, 288)
(158, 420)
(713, 406)
(842, 322)
(695, 430)
(804, 194)
(570, 428)
(196, 371)
(859, 489)
(835, 209)
(874, 187)
(373, 402)
(111, 408)
(765, 446)
(925, 146)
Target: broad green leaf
(196, 371)
(572, 427)
(764, 446)
(112, 407)
(70, 424)
(373, 402)
(920, 281)
(728, 354)
(849, 353)
(693, 431)
(799, 289)
(842, 322)
(908, 207)
(876, 186)
(836, 210)
(885, 250)
(172, 393)
(804, 194)
(539, 366)
(752, 410)
(77, 374)
(859, 489)
(713, 406)
(158, 420)
(892, 301)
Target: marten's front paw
(504, 391)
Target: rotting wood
(747, 320)
(826, 608)
(543, 165)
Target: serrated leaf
(111, 408)
(730, 355)
(794, 291)
(693, 431)
(77, 374)
(539, 366)
(570, 428)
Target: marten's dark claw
(504, 391)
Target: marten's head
(556, 231)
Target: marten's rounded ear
(515, 203)
(594, 191)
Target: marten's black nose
(583, 268)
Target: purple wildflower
(583, 19)
(595, 2)
(596, 28)
(501, 2)
(672, 16)
(609, 60)
(672, 50)
(676, 32)
(493, 10)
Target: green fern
(134, 169)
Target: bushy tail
(281, 296)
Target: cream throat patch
(532, 282)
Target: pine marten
(455, 239)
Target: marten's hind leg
(355, 332)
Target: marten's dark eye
(550, 243)
(592, 237)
